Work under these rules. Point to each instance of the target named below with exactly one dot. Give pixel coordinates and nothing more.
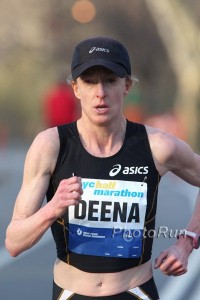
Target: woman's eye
(92, 81)
(89, 81)
(110, 80)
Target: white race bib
(109, 220)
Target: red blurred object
(60, 105)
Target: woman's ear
(128, 85)
(125, 92)
(76, 89)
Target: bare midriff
(100, 284)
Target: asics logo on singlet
(99, 50)
(128, 170)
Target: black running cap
(100, 51)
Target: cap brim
(116, 68)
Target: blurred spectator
(60, 105)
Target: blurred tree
(38, 39)
(179, 31)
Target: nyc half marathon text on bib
(109, 220)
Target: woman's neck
(102, 141)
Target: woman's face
(101, 94)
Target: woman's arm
(30, 221)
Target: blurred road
(29, 276)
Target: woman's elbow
(10, 248)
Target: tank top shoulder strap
(135, 129)
(65, 133)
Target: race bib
(109, 219)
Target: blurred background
(37, 42)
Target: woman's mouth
(102, 108)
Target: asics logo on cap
(99, 50)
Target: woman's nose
(100, 90)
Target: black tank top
(111, 229)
